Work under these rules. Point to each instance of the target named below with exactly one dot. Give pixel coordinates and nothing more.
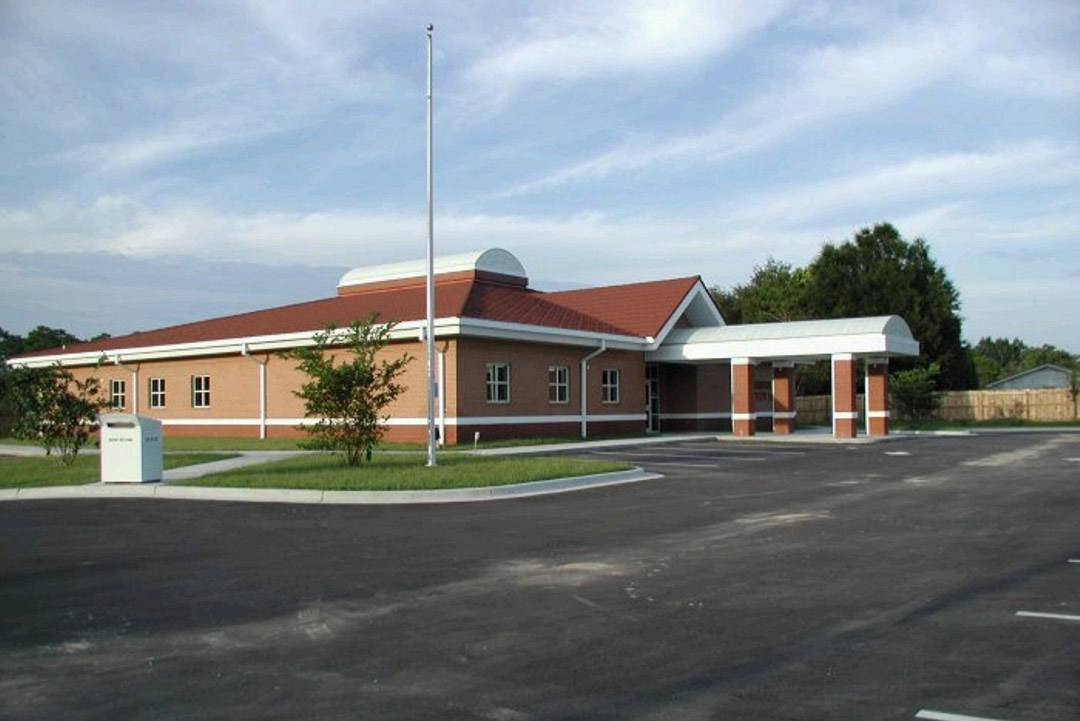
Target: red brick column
(742, 397)
(783, 394)
(877, 396)
(845, 414)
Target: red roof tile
(461, 298)
(530, 307)
(640, 308)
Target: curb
(303, 496)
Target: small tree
(53, 408)
(914, 394)
(348, 399)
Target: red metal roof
(467, 298)
(640, 308)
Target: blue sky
(165, 162)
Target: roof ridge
(621, 285)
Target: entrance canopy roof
(879, 336)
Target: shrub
(53, 408)
(348, 399)
(914, 394)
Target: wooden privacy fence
(1051, 404)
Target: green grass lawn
(28, 471)
(395, 472)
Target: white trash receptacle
(130, 448)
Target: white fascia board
(413, 421)
(698, 289)
(225, 346)
(444, 327)
(788, 348)
(476, 327)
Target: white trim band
(845, 415)
(410, 421)
(877, 414)
(784, 415)
(744, 416)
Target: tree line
(40, 338)
(879, 272)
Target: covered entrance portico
(782, 346)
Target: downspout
(585, 387)
(442, 395)
(134, 383)
(262, 389)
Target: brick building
(512, 361)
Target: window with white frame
(498, 382)
(558, 384)
(157, 392)
(200, 391)
(117, 395)
(609, 385)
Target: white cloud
(1041, 75)
(931, 177)
(574, 41)
(198, 80)
(827, 82)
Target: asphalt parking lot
(919, 578)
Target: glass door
(652, 398)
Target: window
(117, 396)
(498, 382)
(200, 391)
(558, 384)
(609, 385)
(157, 392)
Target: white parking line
(1053, 616)
(942, 716)
(1074, 560)
(898, 453)
(1074, 460)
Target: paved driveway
(753, 581)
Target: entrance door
(652, 398)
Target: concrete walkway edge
(293, 495)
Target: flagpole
(430, 328)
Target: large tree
(776, 292)
(877, 272)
